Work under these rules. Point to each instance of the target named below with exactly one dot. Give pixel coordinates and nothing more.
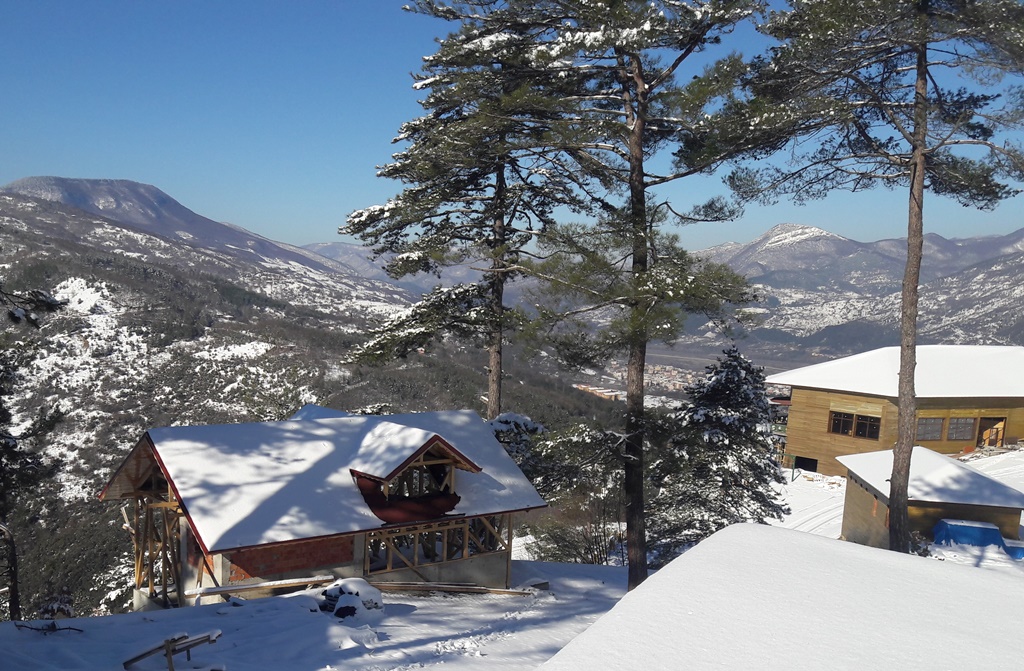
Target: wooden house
(940, 487)
(966, 396)
(422, 497)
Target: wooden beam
(487, 523)
(266, 584)
(447, 587)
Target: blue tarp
(979, 534)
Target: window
(961, 428)
(929, 428)
(868, 427)
(842, 422)
(861, 426)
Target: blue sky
(273, 115)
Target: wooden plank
(392, 550)
(444, 587)
(497, 536)
(163, 647)
(266, 584)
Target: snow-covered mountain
(150, 210)
(142, 222)
(361, 259)
(828, 295)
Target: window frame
(853, 425)
(957, 426)
(867, 426)
(932, 423)
(844, 420)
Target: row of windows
(928, 428)
(960, 428)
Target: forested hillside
(160, 333)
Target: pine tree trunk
(633, 481)
(497, 306)
(494, 349)
(899, 523)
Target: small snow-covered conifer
(719, 464)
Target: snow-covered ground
(715, 585)
(815, 501)
(458, 631)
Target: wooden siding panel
(865, 517)
(808, 435)
(924, 517)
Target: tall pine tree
(644, 87)
(906, 94)
(479, 179)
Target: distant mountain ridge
(279, 270)
(807, 256)
(830, 295)
(823, 294)
(151, 210)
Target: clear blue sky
(273, 115)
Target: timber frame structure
(257, 507)
(154, 525)
(156, 533)
(415, 546)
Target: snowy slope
(753, 597)
(833, 296)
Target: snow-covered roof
(934, 478)
(759, 597)
(250, 484)
(943, 371)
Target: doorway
(990, 431)
(805, 464)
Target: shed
(940, 487)
(967, 395)
(422, 497)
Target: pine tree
(718, 466)
(20, 467)
(479, 181)
(909, 95)
(624, 57)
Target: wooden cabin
(222, 509)
(940, 487)
(966, 396)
